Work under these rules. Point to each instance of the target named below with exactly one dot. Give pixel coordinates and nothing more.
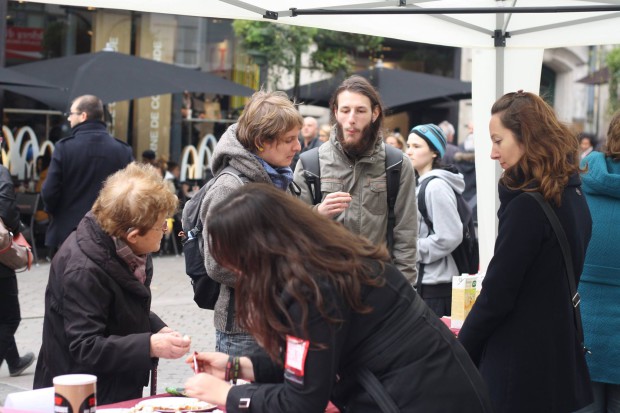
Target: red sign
(24, 43)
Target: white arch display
(15, 157)
(195, 162)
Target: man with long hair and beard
(353, 175)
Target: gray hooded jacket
(228, 151)
(434, 249)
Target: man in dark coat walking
(80, 164)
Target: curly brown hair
(551, 150)
(612, 147)
(279, 247)
(133, 197)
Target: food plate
(172, 405)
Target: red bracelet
(229, 366)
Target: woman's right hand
(215, 365)
(212, 363)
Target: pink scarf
(137, 263)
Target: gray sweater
(228, 151)
(434, 249)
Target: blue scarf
(281, 177)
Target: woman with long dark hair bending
(337, 321)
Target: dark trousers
(9, 320)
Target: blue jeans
(235, 344)
(606, 399)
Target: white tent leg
(521, 69)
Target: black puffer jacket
(97, 317)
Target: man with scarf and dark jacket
(353, 176)
(79, 166)
(260, 147)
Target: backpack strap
(393, 165)
(429, 224)
(312, 173)
(422, 202)
(228, 170)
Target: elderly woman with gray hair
(97, 302)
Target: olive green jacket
(365, 180)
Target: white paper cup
(75, 393)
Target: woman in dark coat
(97, 302)
(337, 321)
(521, 333)
(10, 315)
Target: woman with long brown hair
(521, 333)
(337, 321)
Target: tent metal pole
(455, 10)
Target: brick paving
(172, 301)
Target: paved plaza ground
(172, 301)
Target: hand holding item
(167, 330)
(217, 364)
(334, 203)
(169, 345)
(208, 388)
(212, 363)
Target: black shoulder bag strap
(312, 173)
(570, 272)
(393, 165)
(373, 386)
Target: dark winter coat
(80, 164)
(8, 211)
(97, 317)
(521, 332)
(415, 360)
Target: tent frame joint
(272, 15)
(500, 38)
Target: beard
(361, 147)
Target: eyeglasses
(163, 228)
(67, 114)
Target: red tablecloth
(131, 403)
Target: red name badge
(296, 352)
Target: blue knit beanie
(433, 135)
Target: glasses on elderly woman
(163, 228)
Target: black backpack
(466, 254)
(206, 290)
(393, 164)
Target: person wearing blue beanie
(433, 135)
(443, 232)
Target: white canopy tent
(505, 62)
